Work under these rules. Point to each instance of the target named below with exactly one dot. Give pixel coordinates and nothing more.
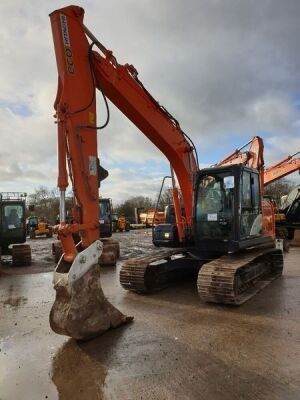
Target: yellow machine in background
(38, 227)
(120, 224)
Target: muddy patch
(15, 301)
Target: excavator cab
(293, 211)
(228, 209)
(105, 217)
(13, 227)
(290, 214)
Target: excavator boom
(252, 158)
(282, 168)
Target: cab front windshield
(215, 205)
(215, 194)
(13, 216)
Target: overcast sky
(227, 70)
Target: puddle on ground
(75, 375)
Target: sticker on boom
(65, 31)
(67, 44)
(93, 165)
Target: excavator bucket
(81, 310)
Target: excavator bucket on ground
(81, 310)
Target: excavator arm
(252, 158)
(80, 309)
(282, 168)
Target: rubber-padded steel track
(148, 274)
(235, 278)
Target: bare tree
(278, 189)
(128, 206)
(46, 203)
(166, 199)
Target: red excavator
(223, 225)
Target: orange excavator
(287, 219)
(253, 158)
(282, 168)
(224, 227)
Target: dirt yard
(176, 348)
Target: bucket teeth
(81, 310)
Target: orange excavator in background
(287, 219)
(249, 157)
(279, 170)
(271, 174)
(253, 157)
(282, 168)
(225, 230)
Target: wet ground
(42, 259)
(176, 348)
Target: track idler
(81, 310)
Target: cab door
(250, 206)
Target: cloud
(226, 70)
(274, 112)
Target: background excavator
(282, 168)
(286, 220)
(111, 248)
(224, 226)
(13, 228)
(291, 211)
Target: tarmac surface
(176, 348)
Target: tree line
(45, 204)
(46, 201)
